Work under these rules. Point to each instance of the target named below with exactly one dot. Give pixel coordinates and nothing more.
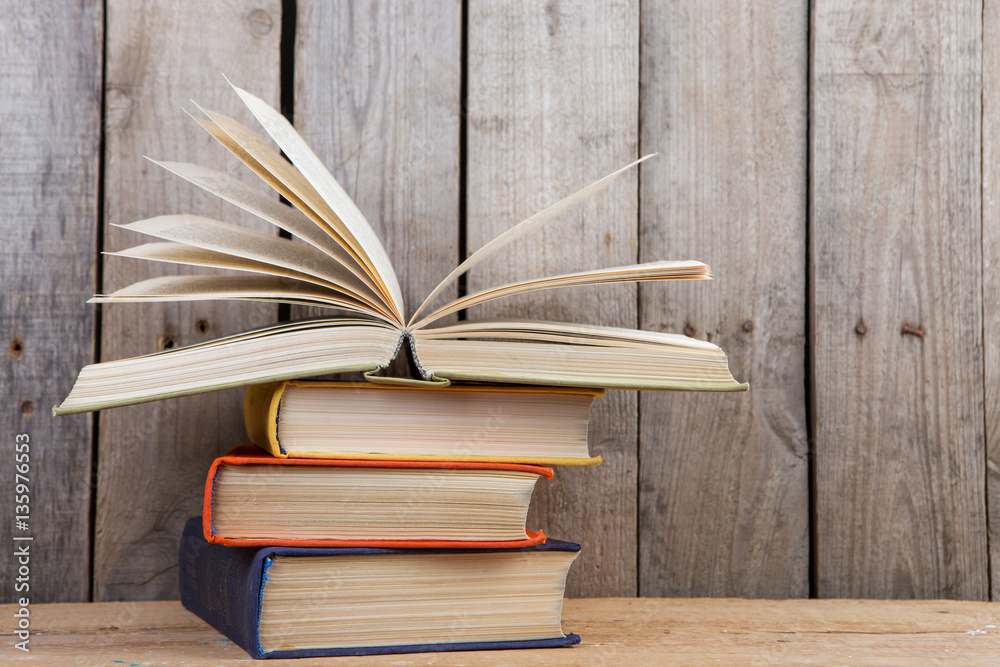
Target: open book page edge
(229, 239)
(573, 344)
(255, 287)
(524, 227)
(289, 182)
(275, 329)
(583, 334)
(603, 382)
(238, 349)
(179, 253)
(313, 169)
(664, 270)
(286, 180)
(289, 218)
(59, 410)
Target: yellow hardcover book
(341, 420)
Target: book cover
(243, 455)
(225, 586)
(501, 421)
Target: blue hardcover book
(288, 602)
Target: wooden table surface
(615, 631)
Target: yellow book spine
(260, 414)
(592, 461)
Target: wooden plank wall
(552, 106)
(153, 457)
(50, 141)
(831, 160)
(896, 300)
(991, 279)
(378, 97)
(724, 99)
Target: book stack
(386, 519)
(386, 516)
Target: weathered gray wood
(50, 75)
(378, 97)
(153, 458)
(553, 105)
(991, 278)
(897, 299)
(724, 478)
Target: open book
(342, 265)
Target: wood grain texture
(645, 631)
(896, 281)
(991, 279)
(378, 97)
(552, 106)
(154, 457)
(723, 479)
(50, 75)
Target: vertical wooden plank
(724, 478)
(378, 97)
(991, 279)
(896, 299)
(50, 110)
(154, 457)
(553, 105)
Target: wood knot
(202, 326)
(872, 61)
(259, 22)
(689, 330)
(861, 328)
(911, 330)
(17, 347)
(27, 407)
(166, 342)
(117, 109)
(748, 326)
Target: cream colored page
(232, 239)
(348, 257)
(271, 179)
(179, 253)
(273, 163)
(254, 288)
(313, 169)
(292, 220)
(279, 168)
(275, 353)
(539, 352)
(564, 363)
(583, 334)
(525, 227)
(672, 270)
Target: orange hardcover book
(255, 499)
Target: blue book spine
(224, 585)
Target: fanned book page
(342, 265)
